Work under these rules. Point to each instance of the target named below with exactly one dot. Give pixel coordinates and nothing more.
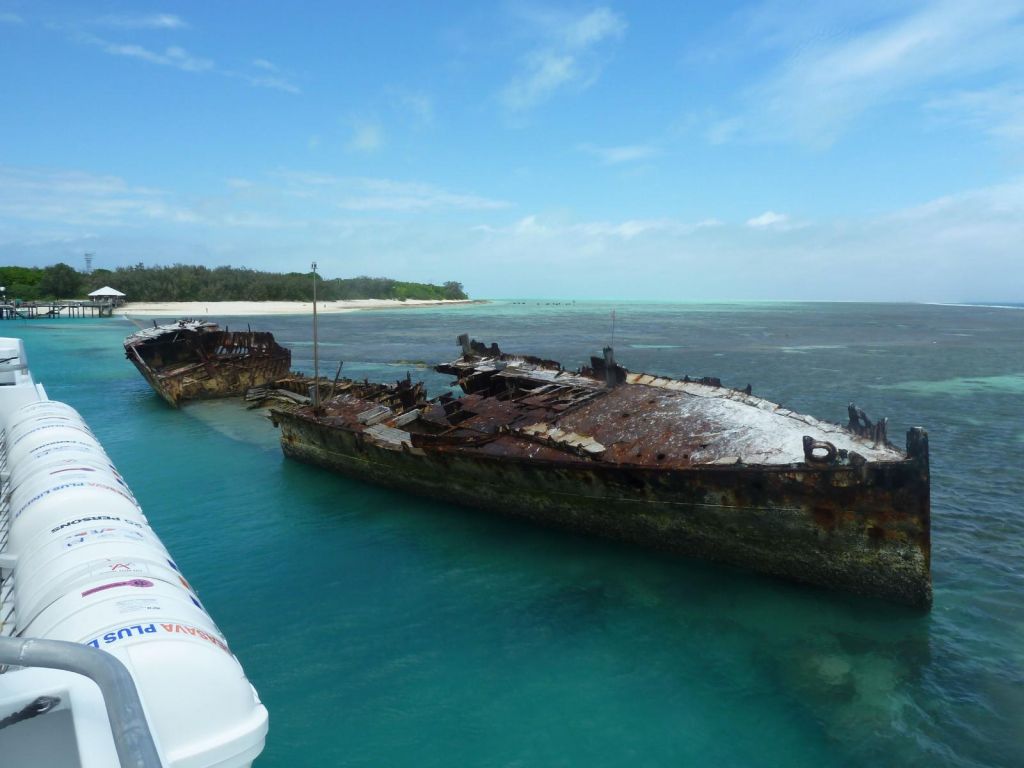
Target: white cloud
(75, 198)
(545, 73)
(592, 28)
(535, 226)
(830, 77)
(564, 56)
(252, 220)
(375, 194)
(998, 111)
(310, 179)
(149, 21)
(388, 195)
(415, 104)
(769, 219)
(366, 137)
(998, 201)
(623, 154)
(11, 18)
(275, 83)
(267, 76)
(633, 228)
(48, 215)
(724, 131)
(172, 56)
(962, 246)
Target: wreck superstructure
(195, 359)
(687, 466)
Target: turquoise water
(383, 630)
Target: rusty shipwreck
(195, 359)
(688, 466)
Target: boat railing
(133, 739)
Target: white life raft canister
(90, 570)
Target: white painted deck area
(756, 430)
(765, 433)
(731, 424)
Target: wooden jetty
(37, 310)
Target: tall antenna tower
(88, 263)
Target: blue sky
(671, 151)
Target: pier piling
(35, 310)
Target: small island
(183, 289)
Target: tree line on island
(183, 282)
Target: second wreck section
(685, 465)
(196, 359)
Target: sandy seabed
(199, 309)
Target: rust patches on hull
(192, 360)
(686, 466)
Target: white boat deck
(91, 675)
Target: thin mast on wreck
(316, 352)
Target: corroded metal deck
(687, 466)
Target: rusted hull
(195, 360)
(158, 386)
(862, 529)
(229, 379)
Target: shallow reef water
(383, 629)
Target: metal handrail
(128, 725)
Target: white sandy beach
(199, 309)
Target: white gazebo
(108, 293)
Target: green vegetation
(182, 282)
(21, 281)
